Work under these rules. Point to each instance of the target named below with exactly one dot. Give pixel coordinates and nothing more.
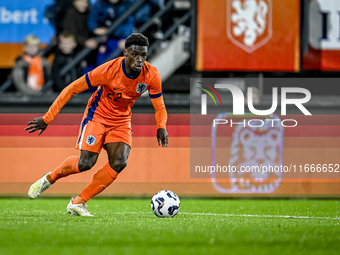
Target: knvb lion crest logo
(90, 140)
(141, 87)
(249, 23)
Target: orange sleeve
(75, 87)
(160, 112)
(155, 84)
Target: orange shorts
(94, 135)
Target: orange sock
(102, 179)
(69, 166)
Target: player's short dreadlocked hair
(136, 39)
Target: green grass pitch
(127, 226)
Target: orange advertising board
(9, 52)
(248, 35)
(26, 157)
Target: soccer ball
(165, 203)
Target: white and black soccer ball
(165, 203)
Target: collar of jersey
(126, 74)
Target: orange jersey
(116, 93)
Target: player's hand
(36, 124)
(162, 137)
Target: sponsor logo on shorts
(90, 140)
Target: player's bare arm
(36, 124)
(162, 137)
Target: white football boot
(78, 209)
(39, 187)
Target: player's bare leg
(118, 154)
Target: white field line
(264, 216)
(245, 215)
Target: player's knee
(85, 165)
(118, 165)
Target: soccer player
(107, 120)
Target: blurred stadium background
(227, 40)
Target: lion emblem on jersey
(141, 87)
(249, 23)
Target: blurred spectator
(75, 21)
(144, 13)
(149, 8)
(103, 14)
(65, 53)
(55, 13)
(31, 71)
(167, 19)
(60, 9)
